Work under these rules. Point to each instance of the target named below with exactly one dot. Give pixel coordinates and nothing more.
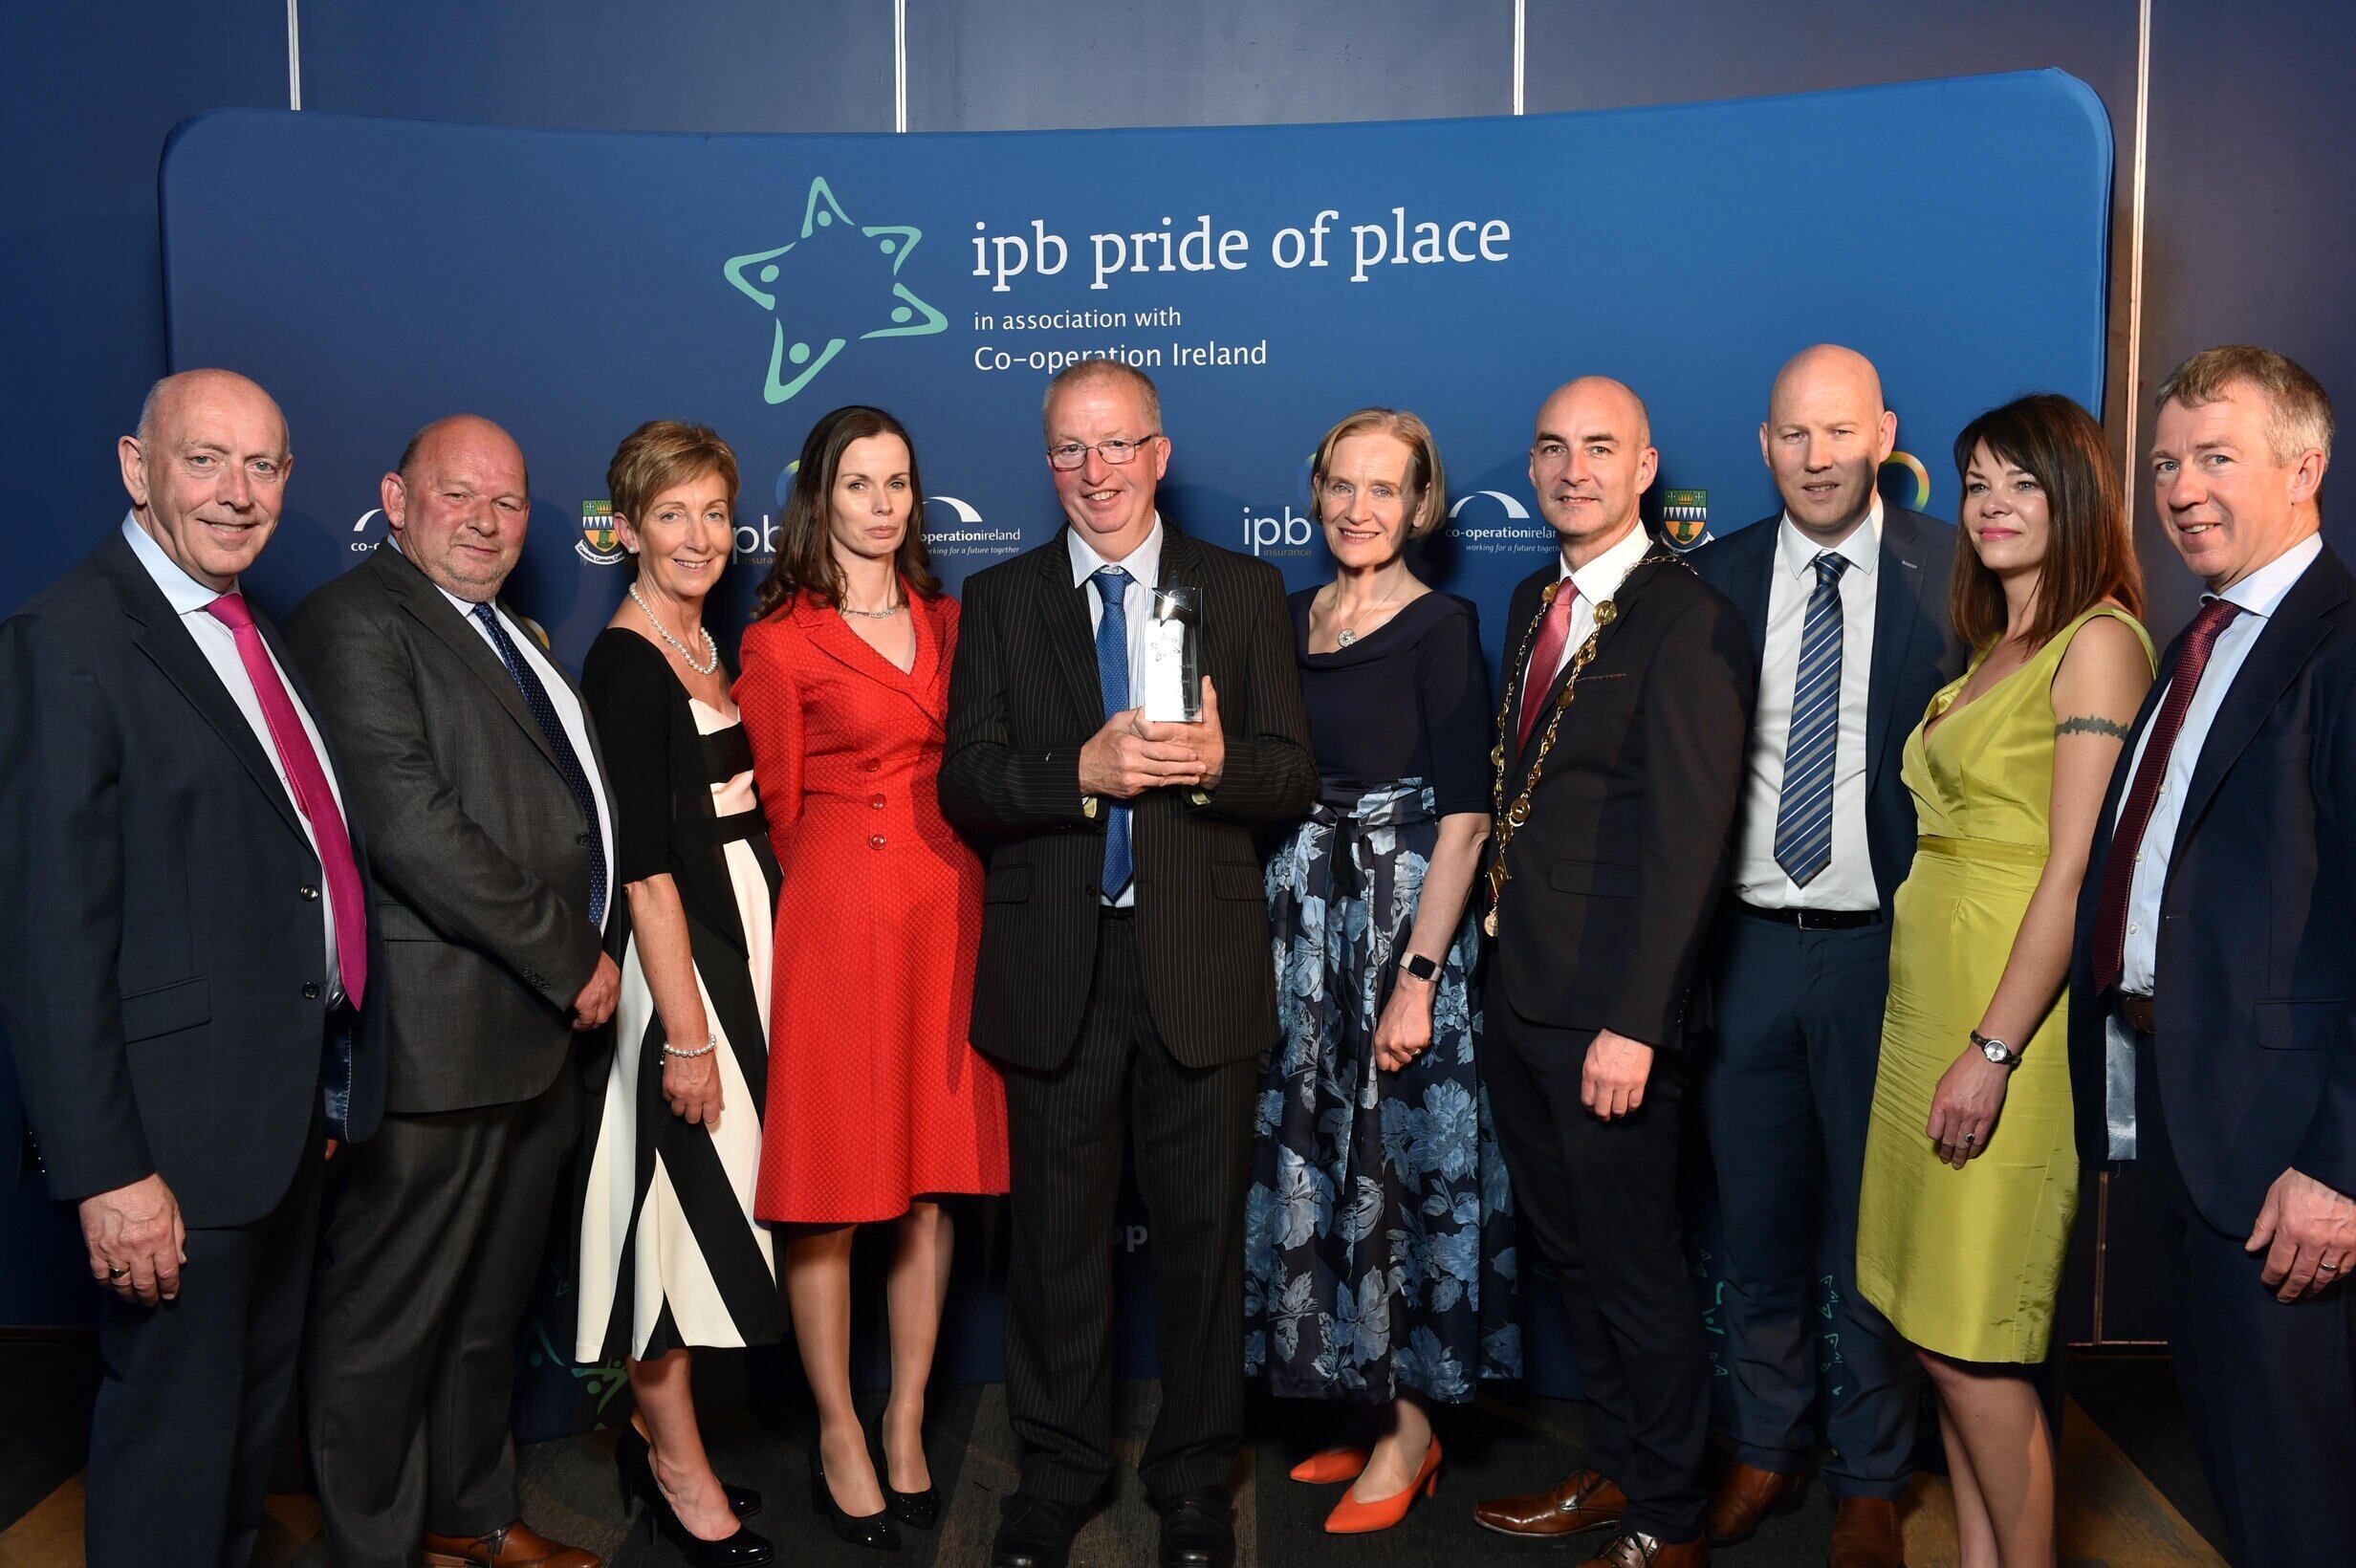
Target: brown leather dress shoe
(1746, 1495)
(516, 1546)
(1585, 1501)
(1865, 1536)
(1635, 1549)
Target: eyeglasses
(1071, 454)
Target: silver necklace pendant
(1345, 637)
(711, 650)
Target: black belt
(2138, 1013)
(1814, 920)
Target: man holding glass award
(1125, 719)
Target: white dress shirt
(214, 639)
(1144, 565)
(2259, 595)
(1596, 581)
(1847, 881)
(568, 708)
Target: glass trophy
(1171, 669)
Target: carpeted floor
(2132, 1497)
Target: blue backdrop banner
(374, 274)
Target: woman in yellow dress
(1971, 1178)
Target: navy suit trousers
(2270, 1389)
(1786, 1094)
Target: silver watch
(1995, 1051)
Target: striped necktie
(1803, 816)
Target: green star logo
(793, 362)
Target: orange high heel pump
(1352, 1517)
(1332, 1465)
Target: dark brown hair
(805, 559)
(2089, 549)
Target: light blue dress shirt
(2258, 596)
(1144, 565)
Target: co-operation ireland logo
(1511, 532)
(598, 545)
(792, 361)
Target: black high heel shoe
(742, 1550)
(633, 1455)
(872, 1531)
(917, 1510)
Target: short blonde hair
(1089, 372)
(1425, 475)
(660, 455)
(2298, 415)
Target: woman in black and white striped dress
(670, 1255)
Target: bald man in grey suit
(470, 753)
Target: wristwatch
(1420, 967)
(1995, 1051)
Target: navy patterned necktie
(1112, 674)
(1804, 815)
(568, 761)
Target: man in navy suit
(2213, 1040)
(1847, 601)
(184, 935)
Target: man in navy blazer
(1845, 597)
(2212, 1031)
(184, 933)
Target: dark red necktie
(1539, 678)
(2119, 871)
(312, 796)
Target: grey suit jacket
(482, 855)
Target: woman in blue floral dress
(1379, 1261)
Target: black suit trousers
(1598, 1205)
(1191, 1128)
(432, 1240)
(2270, 1388)
(194, 1392)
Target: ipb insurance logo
(796, 357)
(599, 545)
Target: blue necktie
(1112, 673)
(1803, 816)
(568, 761)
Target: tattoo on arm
(2089, 724)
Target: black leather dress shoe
(1034, 1532)
(1198, 1531)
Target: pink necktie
(312, 796)
(1539, 678)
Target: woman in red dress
(877, 1103)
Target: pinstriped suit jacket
(1023, 699)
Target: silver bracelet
(710, 1044)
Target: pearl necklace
(711, 650)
